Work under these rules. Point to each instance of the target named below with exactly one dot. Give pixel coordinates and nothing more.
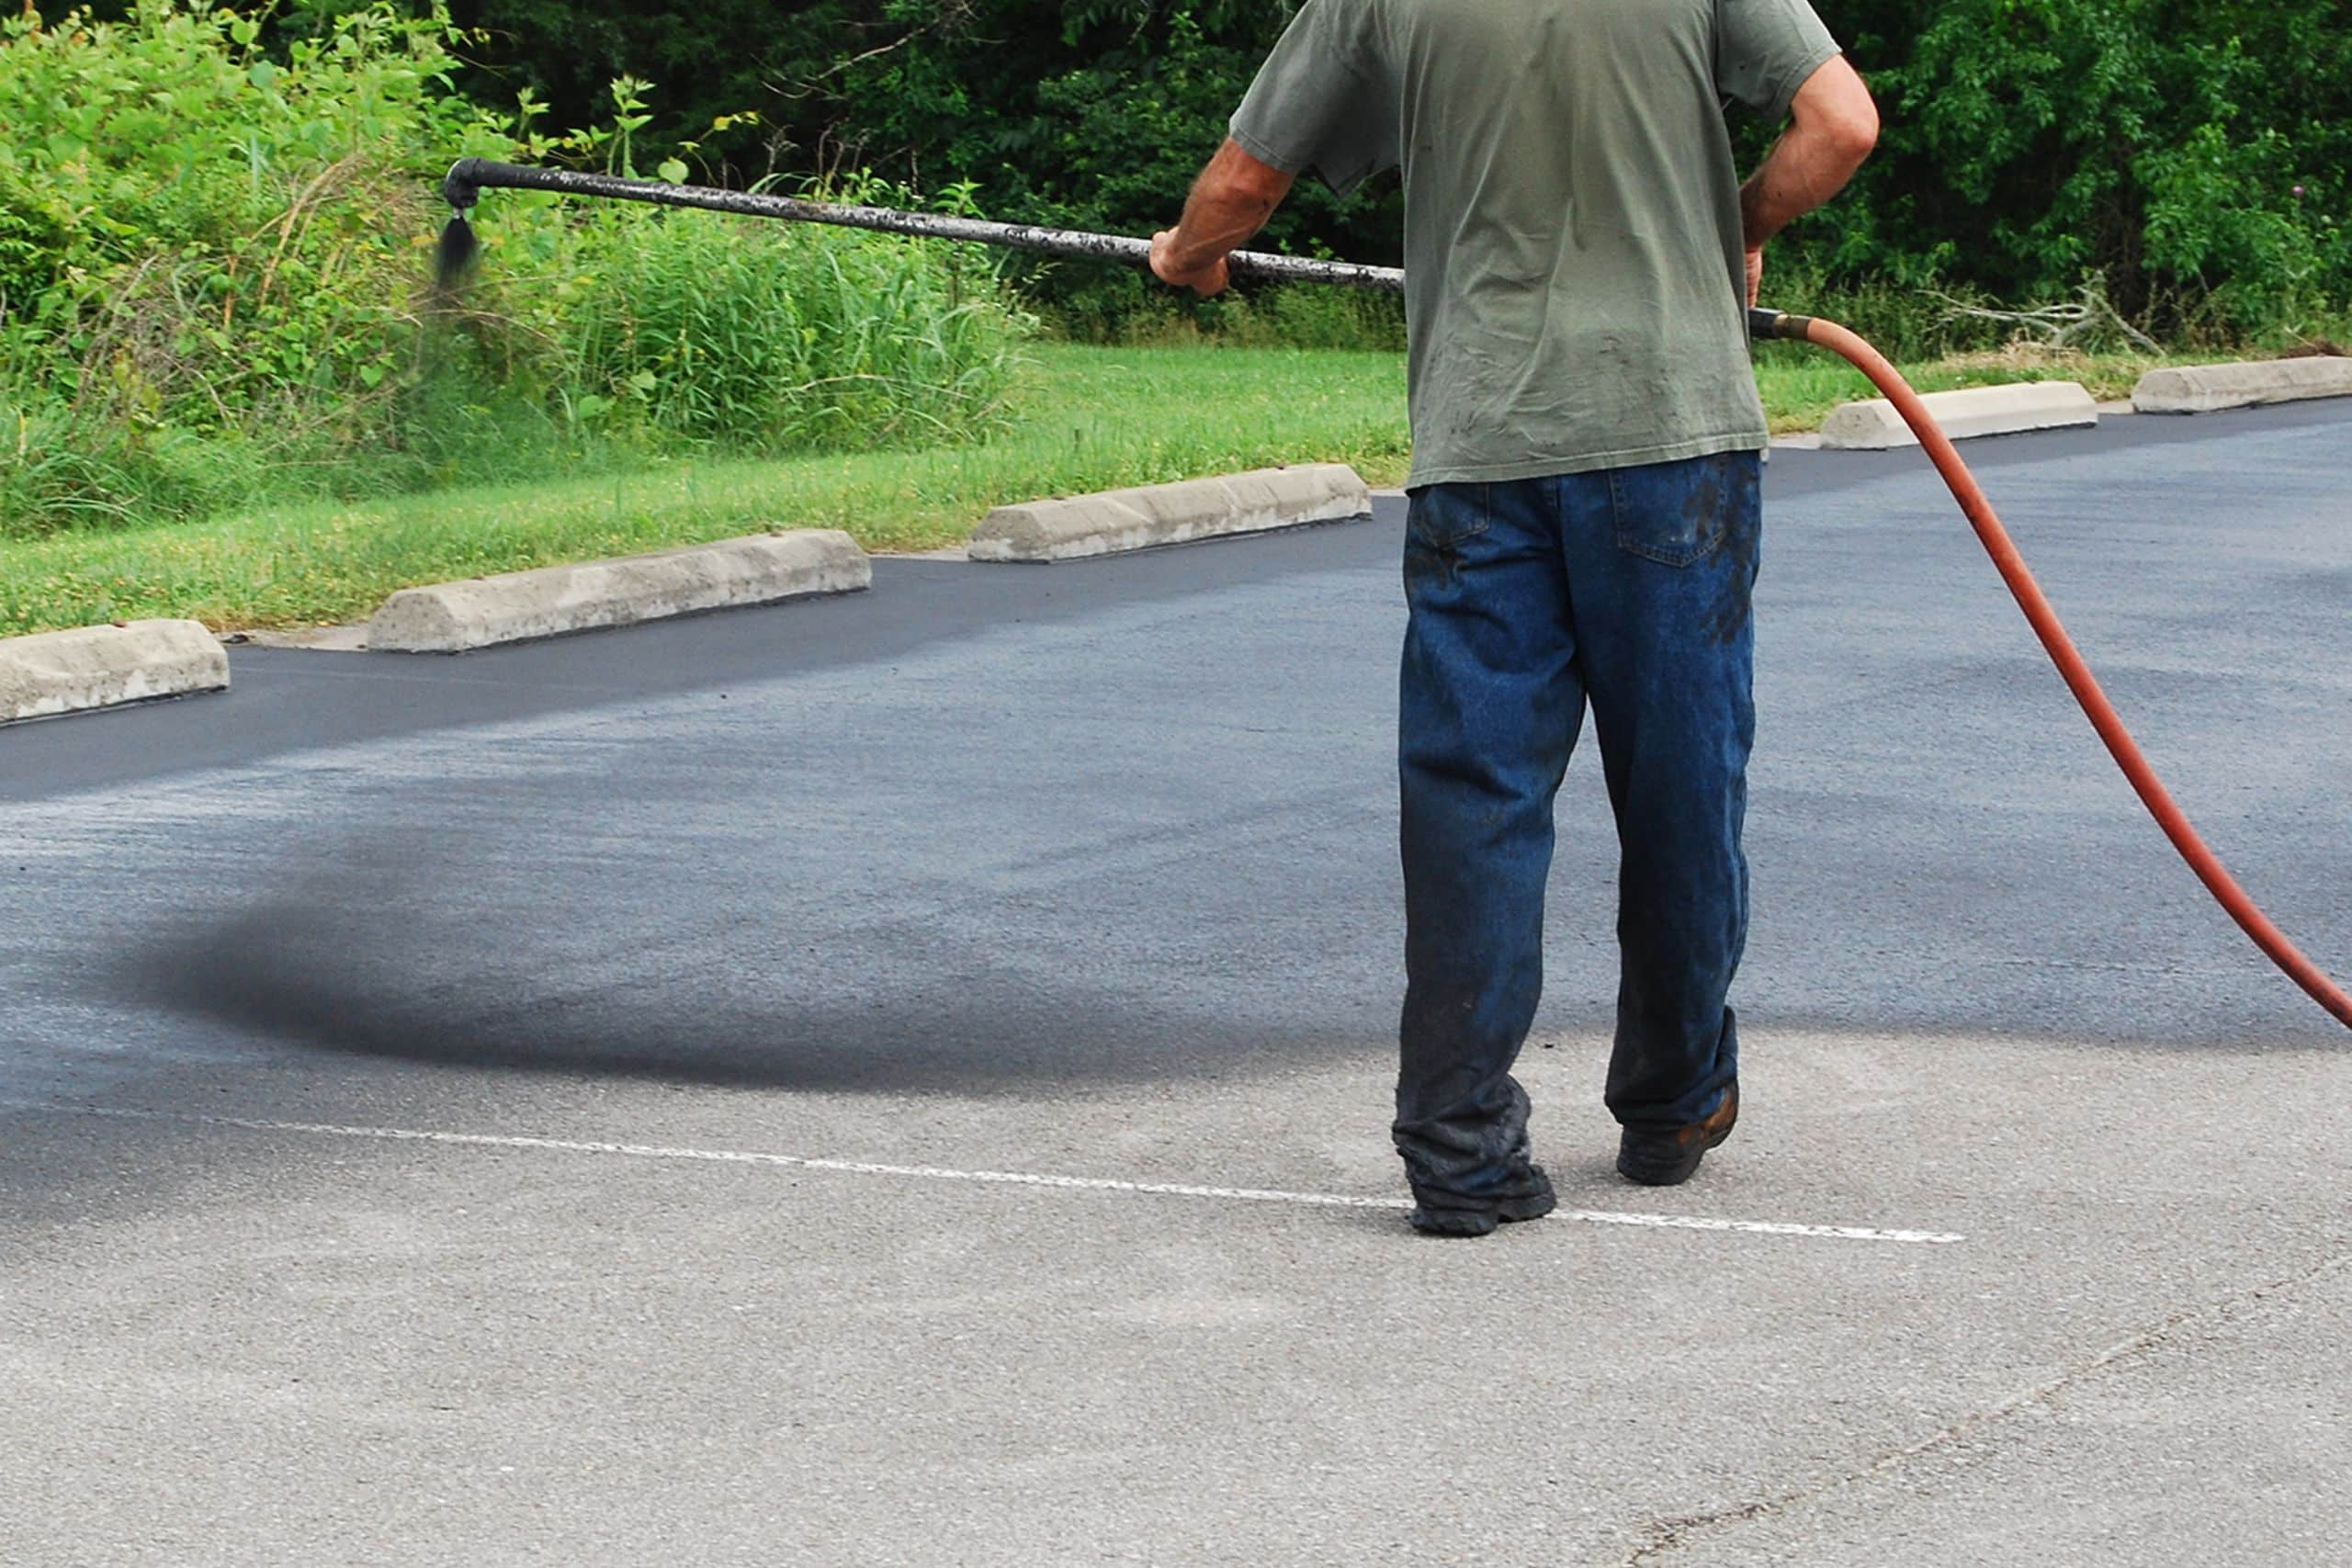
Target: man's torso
(1573, 252)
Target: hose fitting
(1765, 325)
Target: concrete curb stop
(452, 618)
(99, 667)
(1874, 426)
(1137, 519)
(2208, 388)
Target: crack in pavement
(1661, 1537)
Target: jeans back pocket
(1677, 513)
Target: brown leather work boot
(1670, 1160)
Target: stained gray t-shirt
(1574, 282)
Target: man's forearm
(1231, 201)
(1800, 174)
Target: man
(1584, 516)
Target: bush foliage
(213, 283)
(2194, 156)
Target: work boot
(1670, 1160)
(1526, 1196)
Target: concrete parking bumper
(2208, 388)
(1874, 426)
(98, 667)
(763, 569)
(1084, 525)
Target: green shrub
(212, 285)
(200, 243)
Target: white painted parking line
(940, 1173)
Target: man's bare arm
(1230, 202)
(1833, 127)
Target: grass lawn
(1086, 419)
(1801, 384)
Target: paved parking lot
(903, 1079)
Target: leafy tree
(2194, 155)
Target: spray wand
(471, 176)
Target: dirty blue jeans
(1627, 589)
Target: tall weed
(769, 337)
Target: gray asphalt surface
(1088, 871)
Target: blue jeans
(1628, 590)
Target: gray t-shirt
(1573, 284)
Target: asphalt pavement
(903, 1078)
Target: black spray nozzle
(456, 251)
(462, 186)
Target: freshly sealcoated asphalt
(1088, 871)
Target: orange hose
(2076, 673)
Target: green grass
(1085, 419)
(1801, 384)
